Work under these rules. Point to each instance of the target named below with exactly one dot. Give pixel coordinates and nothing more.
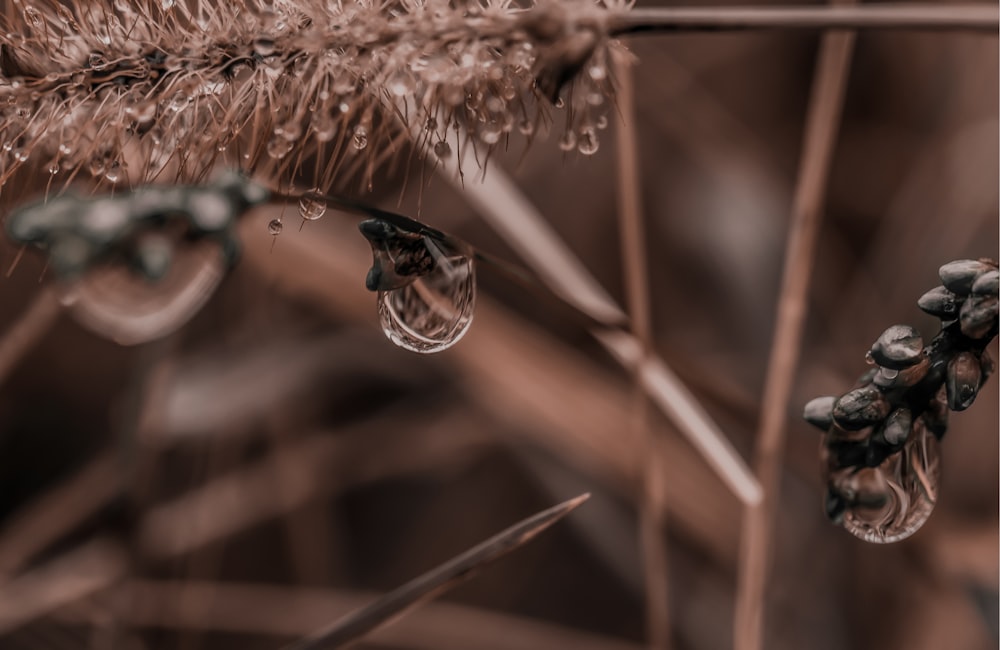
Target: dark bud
(963, 380)
(941, 303)
(899, 347)
(835, 506)
(978, 316)
(935, 417)
(959, 276)
(878, 450)
(860, 408)
(987, 284)
(819, 412)
(897, 427)
(988, 366)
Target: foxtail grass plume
(129, 92)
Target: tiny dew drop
(588, 143)
(274, 227)
(278, 147)
(435, 310)
(360, 138)
(442, 149)
(311, 208)
(568, 141)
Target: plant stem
(757, 538)
(972, 17)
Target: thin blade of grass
(508, 211)
(354, 626)
(88, 568)
(58, 511)
(822, 122)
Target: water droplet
(324, 127)
(442, 149)
(597, 72)
(53, 168)
(263, 47)
(179, 101)
(890, 502)
(568, 141)
(526, 127)
(434, 311)
(426, 289)
(33, 16)
(560, 102)
(588, 143)
(274, 227)
(401, 84)
(167, 4)
(360, 139)
(311, 208)
(113, 172)
(602, 122)
(278, 147)
(490, 132)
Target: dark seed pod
(897, 427)
(987, 364)
(935, 416)
(819, 412)
(960, 275)
(898, 347)
(835, 506)
(987, 284)
(963, 380)
(860, 408)
(941, 303)
(978, 316)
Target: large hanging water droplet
(274, 227)
(890, 502)
(433, 312)
(311, 208)
(426, 288)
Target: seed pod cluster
(880, 442)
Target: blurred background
(277, 462)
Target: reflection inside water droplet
(426, 288)
(122, 305)
(890, 502)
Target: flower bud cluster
(880, 439)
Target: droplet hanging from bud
(426, 287)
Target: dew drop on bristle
(568, 141)
(360, 138)
(433, 312)
(442, 149)
(311, 208)
(588, 143)
(274, 227)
